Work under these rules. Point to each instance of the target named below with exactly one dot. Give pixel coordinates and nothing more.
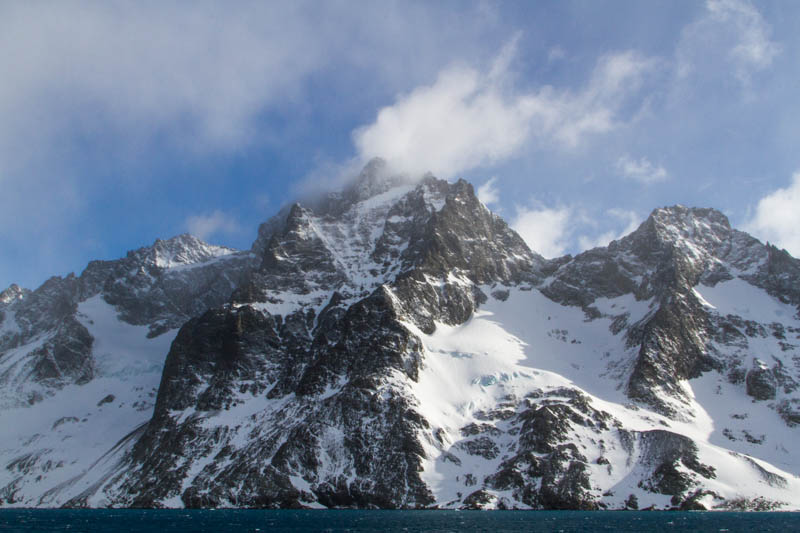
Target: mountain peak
(682, 216)
(183, 249)
(374, 165)
(697, 231)
(12, 293)
(375, 178)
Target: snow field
(499, 353)
(68, 432)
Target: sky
(123, 122)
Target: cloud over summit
(468, 118)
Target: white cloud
(487, 193)
(460, 122)
(97, 92)
(151, 66)
(731, 27)
(753, 50)
(641, 170)
(211, 224)
(555, 231)
(126, 75)
(467, 119)
(777, 218)
(545, 230)
(86, 80)
(587, 243)
(327, 175)
(631, 220)
(556, 54)
(204, 73)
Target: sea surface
(159, 521)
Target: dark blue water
(412, 521)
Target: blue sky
(123, 122)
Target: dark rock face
(778, 275)
(664, 452)
(790, 412)
(65, 358)
(214, 355)
(464, 236)
(60, 346)
(464, 239)
(761, 382)
(669, 353)
(548, 471)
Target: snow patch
(737, 297)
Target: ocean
(159, 521)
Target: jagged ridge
(397, 345)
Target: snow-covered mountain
(81, 357)
(398, 345)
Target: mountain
(77, 347)
(397, 345)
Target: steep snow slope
(754, 403)
(49, 444)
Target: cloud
(753, 49)
(462, 121)
(487, 193)
(733, 27)
(96, 94)
(545, 230)
(556, 54)
(203, 74)
(469, 119)
(152, 66)
(777, 218)
(327, 175)
(641, 170)
(90, 86)
(555, 231)
(631, 220)
(215, 223)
